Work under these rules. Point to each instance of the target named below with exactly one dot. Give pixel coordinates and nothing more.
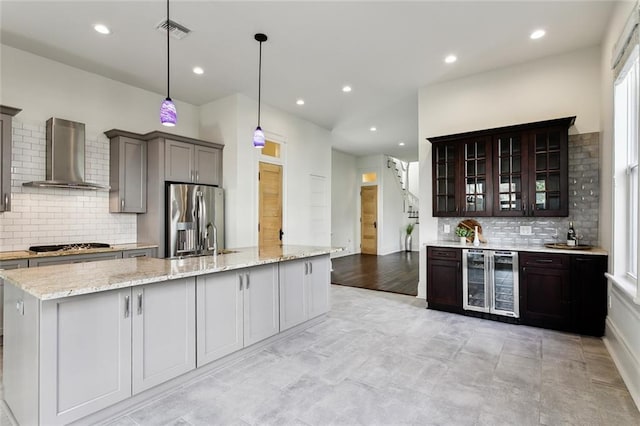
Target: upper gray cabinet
(6, 115)
(187, 162)
(127, 174)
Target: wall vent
(176, 30)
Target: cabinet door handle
(458, 265)
(240, 279)
(306, 268)
(197, 176)
(6, 201)
(524, 208)
(139, 303)
(247, 275)
(311, 267)
(533, 211)
(544, 260)
(127, 306)
(122, 204)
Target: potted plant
(407, 239)
(464, 234)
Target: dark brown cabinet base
(557, 291)
(444, 272)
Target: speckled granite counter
(57, 281)
(26, 254)
(597, 251)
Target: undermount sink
(564, 246)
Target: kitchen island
(86, 340)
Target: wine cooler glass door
(474, 282)
(504, 274)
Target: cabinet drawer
(444, 253)
(544, 260)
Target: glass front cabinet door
(444, 179)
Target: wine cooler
(490, 281)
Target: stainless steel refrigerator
(490, 282)
(194, 219)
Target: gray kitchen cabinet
(304, 290)
(145, 252)
(6, 116)
(186, 162)
(236, 309)
(85, 355)
(94, 350)
(74, 258)
(219, 326)
(261, 303)
(164, 332)
(8, 264)
(127, 175)
(318, 284)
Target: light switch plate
(447, 229)
(525, 230)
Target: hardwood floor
(395, 273)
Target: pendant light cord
(168, 58)
(259, 81)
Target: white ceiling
(386, 50)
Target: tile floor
(381, 358)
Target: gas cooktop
(67, 247)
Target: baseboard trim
(624, 359)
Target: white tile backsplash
(56, 216)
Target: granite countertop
(596, 251)
(26, 254)
(58, 281)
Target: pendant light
(258, 135)
(168, 114)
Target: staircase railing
(400, 171)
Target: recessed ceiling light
(102, 29)
(198, 70)
(451, 59)
(372, 128)
(300, 102)
(401, 144)
(346, 89)
(537, 34)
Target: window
(626, 130)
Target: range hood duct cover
(65, 157)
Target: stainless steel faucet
(213, 248)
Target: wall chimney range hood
(65, 157)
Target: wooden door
(369, 219)
(261, 303)
(270, 220)
(164, 332)
(219, 316)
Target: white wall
(552, 87)
(394, 219)
(306, 155)
(42, 89)
(622, 335)
(345, 198)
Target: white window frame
(626, 191)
